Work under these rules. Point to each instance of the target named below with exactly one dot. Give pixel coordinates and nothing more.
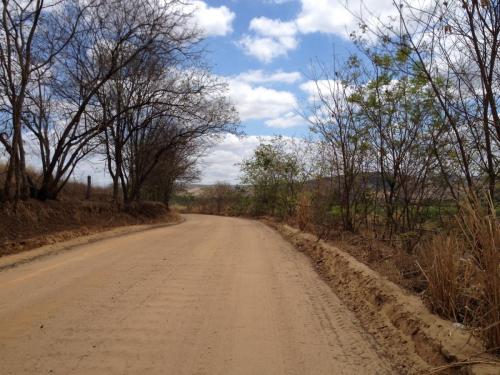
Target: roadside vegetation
(401, 168)
(122, 82)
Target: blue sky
(265, 54)
(263, 49)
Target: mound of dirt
(31, 224)
(413, 338)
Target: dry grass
(303, 213)
(32, 223)
(481, 230)
(457, 271)
(462, 269)
(73, 190)
(442, 261)
(78, 190)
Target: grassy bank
(31, 224)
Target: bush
(462, 269)
(221, 199)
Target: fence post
(89, 187)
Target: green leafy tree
(275, 176)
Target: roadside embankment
(413, 338)
(32, 224)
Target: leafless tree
(333, 117)
(31, 37)
(175, 170)
(156, 110)
(111, 37)
(134, 99)
(188, 119)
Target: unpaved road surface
(210, 296)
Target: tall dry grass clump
(303, 212)
(462, 269)
(481, 231)
(444, 270)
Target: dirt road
(210, 296)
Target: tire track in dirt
(211, 296)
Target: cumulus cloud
(218, 165)
(258, 102)
(324, 88)
(260, 76)
(255, 98)
(327, 16)
(288, 120)
(338, 16)
(221, 162)
(272, 38)
(273, 28)
(314, 88)
(214, 21)
(279, 2)
(309, 87)
(266, 49)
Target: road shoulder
(413, 338)
(57, 247)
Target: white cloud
(340, 16)
(324, 88)
(279, 2)
(271, 39)
(266, 49)
(314, 88)
(327, 16)
(214, 21)
(309, 87)
(92, 165)
(257, 103)
(288, 120)
(260, 76)
(220, 163)
(273, 28)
